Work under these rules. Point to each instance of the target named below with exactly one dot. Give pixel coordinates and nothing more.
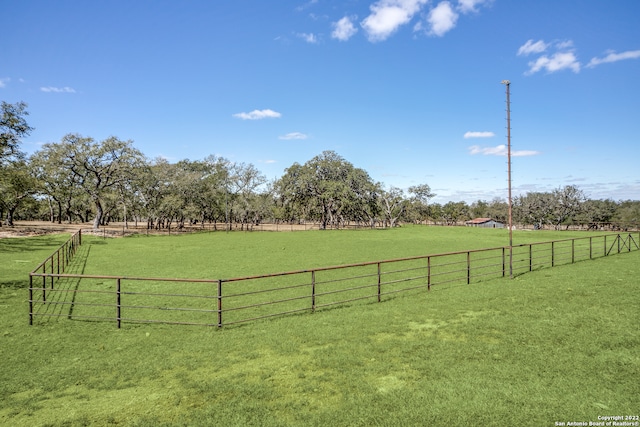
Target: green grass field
(226, 255)
(554, 345)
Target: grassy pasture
(553, 345)
(220, 255)
(227, 255)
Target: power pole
(508, 84)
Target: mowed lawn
(555, 345)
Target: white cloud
(389, 15)
(479, 135)
(614, 57)
(306, 5)
(442, 19)
(444, 16)
(467, 6)
(524, 153)
(532, 47)
(344, 29)
(500, 150)
(308, 37)
(294, 135)
(4, 81)
(258, 115)
(567, 44)
(51, 89)
(557, 62)
(561, 57)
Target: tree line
(82, 180)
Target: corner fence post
(219, 303)
(118, 303)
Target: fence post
(30, 300)
(428, 273)
(118, 303)
(590, 248)
(553, 258)
(313, 290)
(379, 282)
(468, 267)
(52, 278)
(605, 245)
(504, 272)
(220, 303)
(530, 257)
(44, 283)
(573, 241)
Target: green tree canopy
(329, 189)
(100, 167)
(13, 127)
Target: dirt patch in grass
(38, 228)
(118, 229)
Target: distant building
(484, 223)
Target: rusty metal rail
(222, 302)
(56, 263)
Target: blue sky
(408, 90)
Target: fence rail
(221, 302)
(54, 266)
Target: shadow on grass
(14, 284)
(61, 301)
(28, 244)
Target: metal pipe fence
(51, 268)
(224, 302)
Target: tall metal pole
(508, 83)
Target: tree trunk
(59, 211)
(52, 217)
(99, 212)
(10, 212)
(68, 212)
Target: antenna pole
(508, 84)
